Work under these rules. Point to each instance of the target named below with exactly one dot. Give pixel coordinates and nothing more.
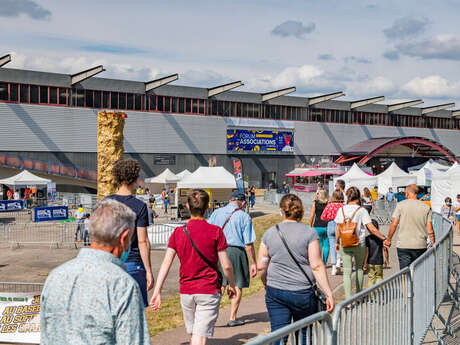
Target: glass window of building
(130, 102)
(14, 90)
(89, 98)
(167, 104)
(152, 102)
(201, 106)
(160, 106)
(24, 93)
(43, 94)
(181, 105)
(138, 102)
(53, 95)
(194, 106)
(122, 100)
(114, 100)
(105, 99)
(174, 104)
(3, 91)
(33, 94)
(188, 105)
(62, 95)
(97, 99)
(256, 110)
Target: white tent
(183, 174)
(25, 178)
(165, 177)
(426, 171)
(445, 184)
(394, 177)
(208, 177)
(357, 178)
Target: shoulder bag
(219, 274)
(319, 295)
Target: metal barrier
(398, 310)
(58, 234)
(159, 234)
(315, 329)
(13, 287)
(383, 211)
(22, 216)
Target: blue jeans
(252, 200)
(86, 237)
(331, 226)
(323, 243)
(285, 306)
(137, 271)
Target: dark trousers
(408, 256)
(285, 306)
(137, 271)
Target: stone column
(110, 149)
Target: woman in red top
(328, 215)
(200, 286)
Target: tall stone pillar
(110, 149)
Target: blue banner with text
(11, 205)
(240, 140)
(42, 214)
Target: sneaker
(233, 323)
(334, 270)
(339, 262)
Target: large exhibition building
(49, 124)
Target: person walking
(414, 218)
(137, 259)
(79, 215)
(390, 196)
(358, 219)
(328, 215)
(199, 246)
(240, 235)
(289, 294)
(252, 196)
(375, 193)
(457, 212)
(376, 256)
(86, 231)
(91, 299)
(447, 210)
(368, 200)
(319, 224)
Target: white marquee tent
(166, 179)
(208, 177)
(426, 171)
(25, 178)
(358, 178)
(445, 184)
(183, 174)
(394, 177)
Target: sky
(400, 49)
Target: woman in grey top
(289, 295)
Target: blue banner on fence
(11, 205)
(51, 213)
(252, 140)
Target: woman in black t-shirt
(320, 225)
(126, 174)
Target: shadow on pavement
(237, 339)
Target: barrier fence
(159, 234)
(399, 310)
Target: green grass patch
(170, 314)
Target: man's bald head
(411, 190)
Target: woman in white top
(363, 220)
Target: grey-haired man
(91, 299)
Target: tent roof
(430, 164)
(25, 178)
(166, 176)
(393, 171)
(183, 174)
(208, 177)
(355, 172)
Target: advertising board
(244, 140)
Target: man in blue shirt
(240, 236)
(91, 299)
(390, 196)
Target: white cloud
(372, 87)
(433, 86)
(441, 47)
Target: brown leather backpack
(347, 231)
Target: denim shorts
(137, 271)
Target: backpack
(347, 231)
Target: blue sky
(400, 49)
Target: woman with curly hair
(137, 260)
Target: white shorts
(200, 313)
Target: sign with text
(241, 140)
(11, 205)
(42, 214)
(164, 159)
(19, 318)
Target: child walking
(376, 257)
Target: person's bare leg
(236, 303)
(198, 340)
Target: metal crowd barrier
(57, 234)
(399, 310)
(383, 211)
(22, 216)
(159, 234)
(15, 287)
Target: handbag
(219, 274)
(319, 295)
(347, 231)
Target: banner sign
(11, 205)
(51, 213)
(240, 140)
(238, 173)
(19, 318)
